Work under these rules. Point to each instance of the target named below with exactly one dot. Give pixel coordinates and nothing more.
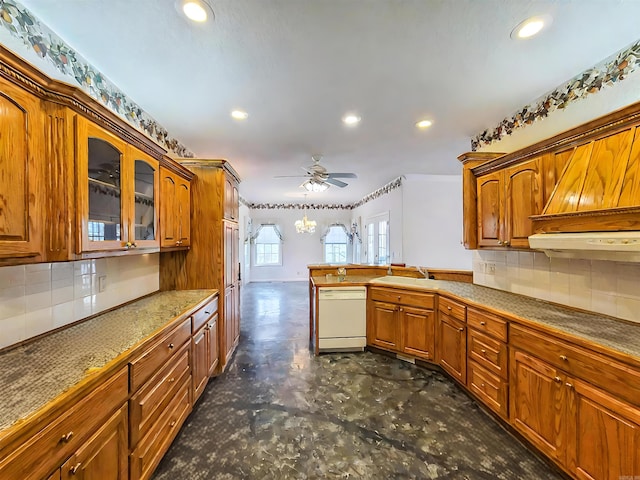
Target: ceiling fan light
(424, 124)
(239, 114)
(312, 185)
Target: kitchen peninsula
(535, 365)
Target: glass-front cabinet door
(144, 221)
(101, 180)
(117, 192)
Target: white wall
(245, 221)
(390, 202)
(298, 249)
(432, 222)
(38, 298)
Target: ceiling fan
(318, 179)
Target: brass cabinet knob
(570, 385)
(483, 351)
(448, 308)
(564, 358)
(557, 379)
(483, 323)
(171, 380)
(170, 346)
(75, 468)
(67, 437)
(461, 329)
(172, 424)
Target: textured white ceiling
(298, 65)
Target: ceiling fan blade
(335, 182)
(342, 175)
(291, 176)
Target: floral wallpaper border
(610, 71)
(332, 206)
(36, 36)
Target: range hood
(614, 246)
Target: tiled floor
(281, 413)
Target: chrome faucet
(424, 272)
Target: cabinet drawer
(453, 308)
(204, 314)
(50, 447)
(592, 367)
(404, 297)
(152, 447)
(487, 323)
(492, 390)
(157, 355)
(148, 404)
(488, 352)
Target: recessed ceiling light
(196, 10)
(424, 124)
(351, 119)
(239, 114)
(531, 26)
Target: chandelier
(305, 225)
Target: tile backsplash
(610, 288)
(37, 298)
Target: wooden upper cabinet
(523, 198)
(231, 198)
(145, 172)
(506, 199)
(490, 209)
(175, 211)
(117, 191)
(22, 181)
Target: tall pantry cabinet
(212, 260)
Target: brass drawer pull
(448, 308)
(172, 424)
(461, 329)
(570, 385)
(557, 379)
(67, 437)
(171, 380)
(75, 468)
(484, 352)
(483, 323)
(564, 358)
(170, 346)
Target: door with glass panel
(143, 232)
(101, 210)
(377, 239)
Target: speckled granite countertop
(36, 373)
(615, 334)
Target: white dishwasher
(342, 319)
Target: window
(268, 243)
(377, 231)
(335, 244)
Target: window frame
(255, 243)
(348, 240)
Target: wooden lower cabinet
(586, 430)
(603, 442)
(152, 447)
(452, 347)
(104, 455)
(204, 355)
(538, 406)
(384, 330)
(417, 326)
